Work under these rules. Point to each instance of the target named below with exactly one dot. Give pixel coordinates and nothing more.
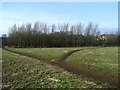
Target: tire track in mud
(62, 63)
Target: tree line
(61, 35)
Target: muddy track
(84, 71)
(65, 56)
(62, 63)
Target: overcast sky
(105, 14)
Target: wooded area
(61, 35)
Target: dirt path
(65, 56)
(84, 71)
(81, 70)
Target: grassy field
(21, 71)
(0, 53)
(51, 54)
(0, 68)
(99, 59)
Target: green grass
(21, 71)
(0, 54)
(51, 54)
(98, 59)
(0, 68)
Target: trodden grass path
(84, 71)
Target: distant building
(103, 36)
(4, 40)
(4, 35)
